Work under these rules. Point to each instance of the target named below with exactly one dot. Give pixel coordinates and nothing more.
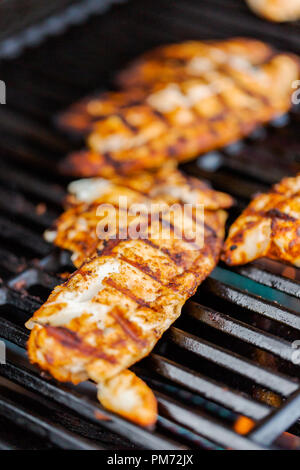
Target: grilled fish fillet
(276, 10)
(269, 227)
(111, 312)
(165, 64)
(78, 228)
(191, 58)
(213, 99)
(167, 182)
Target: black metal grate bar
(253, 303)
(233, 362)
(207, 427)
(240, 330)
(208, 388)
(281, 283)
(267, 430)
(29, 420)
(92, 411)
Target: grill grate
(230, 353)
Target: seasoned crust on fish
(111, 312)
(268, 227)
(276, 10)
(127, 395)
(78, 228)
(166, 64)
(182, 58)
(222, 99)
(167, 182)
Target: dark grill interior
(230, 354)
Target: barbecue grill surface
(230, 354)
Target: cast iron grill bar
(33, 276)
(16, 204)
(281, 283)
(61, 416)
(171, 370)
(221, 356)
(10, 262)
(9, 333)
(13, 333)
(224, 180)
(207, 427)
(84, 406)
(262, 173)
(202, 424)
(238, 329)
(17, 299)
(266, 431)
(215, 432)
(189, 16)
(27, 239)
(253, 303)
(23, 181)
(43, 427)
(22, 126)
(232, 361)
(181, 431)
(192, 399)
(207, 387)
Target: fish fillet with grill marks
(269, 227)
(76, 229)
(218, 93)
(165, 64)
(111, 312)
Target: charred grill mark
(67, 282)
(161, 116)
(120, 167)
(211, 230)
(108, 246)
(173, 257)
(277, 214)
(129, 328)
(71, 340)
(127, 293)
(115, 164)
(176, 285)
(131, 103)
(177, 232)
(264, 99)
(225, 112)
(144, 269)
(129, 126)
